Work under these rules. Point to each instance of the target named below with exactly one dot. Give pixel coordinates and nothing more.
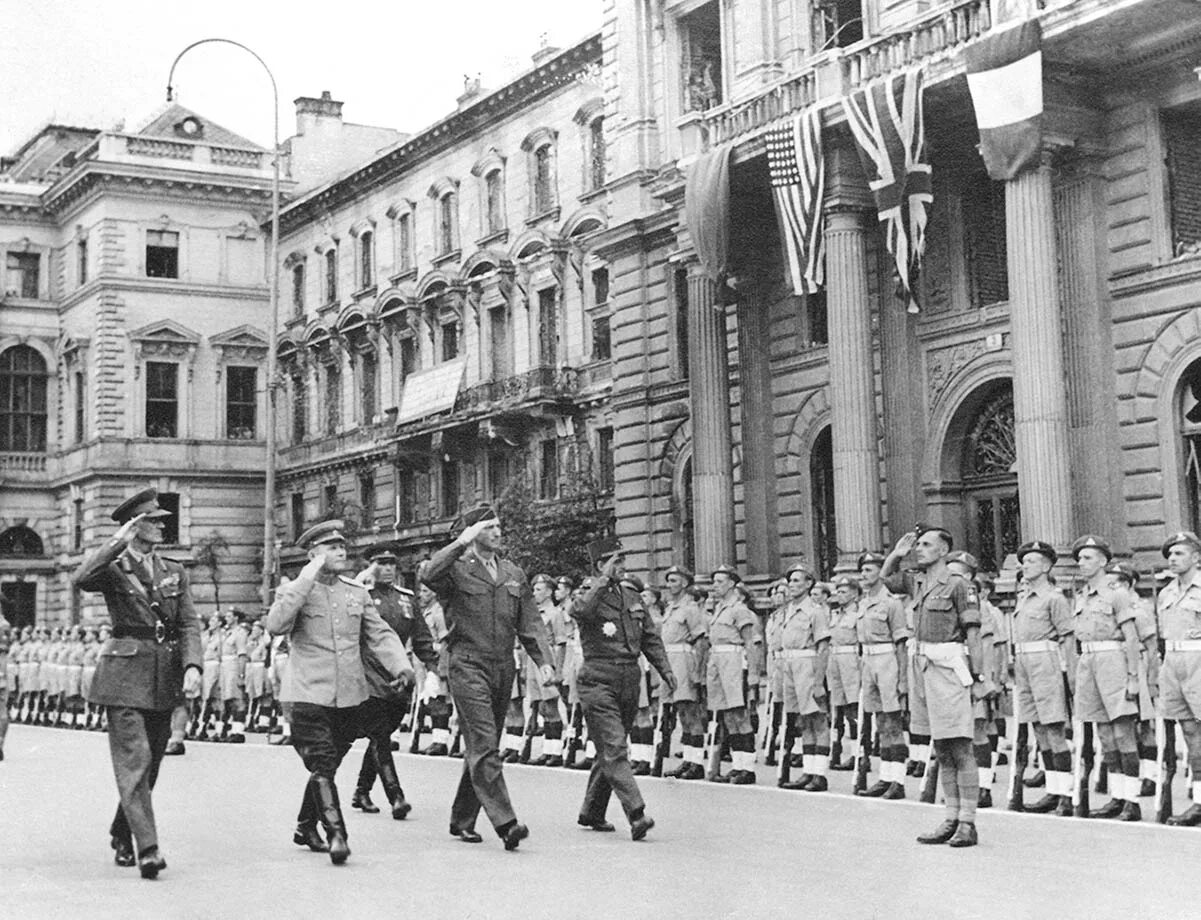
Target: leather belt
(1043, 645)
(1183, 645)
(799, 652)
(1108, 645)
(935, 648)
(879, 648)
(158, 633)
(725, 647)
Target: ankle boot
(325, 794)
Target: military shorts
(800, 681)
(573, 660)
(939, 704)
(1039, 689)
(723, 681)
(842, 676)
(256, 679)
(1101, 687)
(1180, 685)
(231, 686)
(85, 680)
(775, 675)
(686, 668)
(881, 680)
(210, 678)
(73, 681)
(533, 684)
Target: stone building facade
(1048, 386)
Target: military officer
(732, 633)
(948, 675)
(235, 644)
(385, 708)
(1105, 678)
(488, 605)
(329, 619)
(615, 628)
(151, 662)
(1178, 610)
(842, 674)
(804, 652)
(685, 636)
(883, 634)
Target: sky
(94, 63)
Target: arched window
(596, 154)
(494, 202)
(366, 259)
(821, 503)
(23, 414)
(544, 189)
(20, 541)
(447, 218)
(989, 475)
(331, 275)
(1189, 421)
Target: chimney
(310, 112)
(545, 50)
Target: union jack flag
(798, 183)
(887, 122)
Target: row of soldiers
(48, 673)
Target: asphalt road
(225, 814)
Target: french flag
(1005, 76)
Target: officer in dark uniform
(488, 603)
(146, 669)
(329, 619)
(615, 628)
(385, 708)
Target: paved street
(225, 815)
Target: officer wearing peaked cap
(1179, 612)
(145, 669)
(329, 619)
(615, 628)
(384, 709)
(488, 604)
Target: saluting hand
(906, 543)
(127, 531)
(313, 567)
(470, 533)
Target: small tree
(209, 553)
(553, 536)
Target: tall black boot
(306, 834)
(330, 809)
(391, 782)
(367, 773)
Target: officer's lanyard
(621, 616)
(136, 583)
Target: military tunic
(805, 627)
(1178, 612)
(842, 675)
(1042, 619)
(727, 653)
(881, 625)
(684, 625)
(945, 607)
(1100, 692)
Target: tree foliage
(553, 536)
(210, 552)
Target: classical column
(852, 393)
(709, 397)
(1039, 390)
(757, 441)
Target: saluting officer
(883, 634)
(948, 674)
(385, 708)
(685, 636)
(1179, 612)
(151, 662)
(1105, 681)
(615, 628)
(488, 605)
(329, 619)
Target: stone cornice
(633, 235)
(105, 284)
(467, 124)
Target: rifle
(1082, 741)
(415, 722)
(571, 734)
(771, 725)
(713, 739)
(531, 728)
(862, 758)
(666, 726)
(784, 765)
(1019, 752)
(1165, 738)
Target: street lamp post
(273, 318)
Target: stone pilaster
(852, 397)
(709, 398)
(1039, 390)
(757, 434)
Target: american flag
(798, 183)
(887, 122)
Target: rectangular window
(368, 381)
(367, 498)
(450, 341)
(408, 357)
(498, 474)
(494, 204)
(596, 163)
(81, 393)
(446, 223)
(548, 327)
(367, 259)
(81, 252)
(300, 409)
(984, 244)
(604, 458)
(1180, 127)
(600, 287)
(162, 254)
(169, 501)
(837, 24)
(406, 496)
(241, 403)
(544, 191)
(333, 398)
(700, 58)
(548, 473)
(23, 275)
(77, 525)
(298, 289)
(331, 276)
(816, 320)
(329, 497)
(162, 399)
(680, 325)
(502, 359)
(602, 345)
(450, 488)
(297, 509)
(404, 241)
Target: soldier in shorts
(1106, 676)
(732, 635)
(1179, 613)
(842, 674)
(804, 651)
(685, 636)
(1123, 580)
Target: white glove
(431, 686)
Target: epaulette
(405, 591)
(351, 581)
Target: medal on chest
(609, 629)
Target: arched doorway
(18, 598)
(989, 479)
(686, 531)
(1188, 418)
(821, 503)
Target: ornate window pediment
(245, 343)
(164, 339)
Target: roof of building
(168, 124)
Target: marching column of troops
(905, 661)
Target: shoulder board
(350, 581)
(405, 591)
